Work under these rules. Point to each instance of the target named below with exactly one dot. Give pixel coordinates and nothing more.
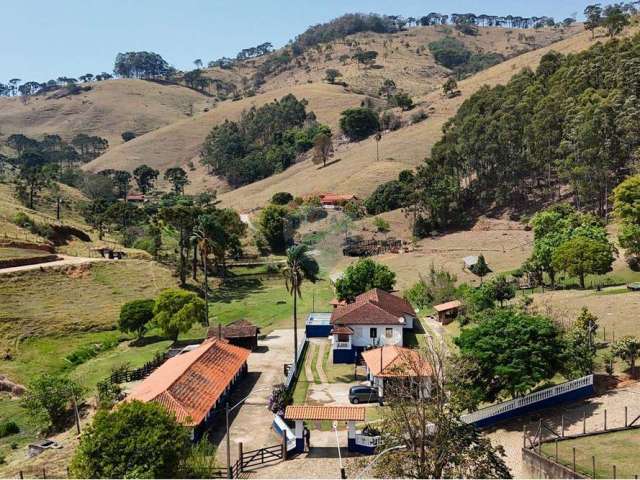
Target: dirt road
(64, 261)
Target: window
(373, 332)
(388, 332)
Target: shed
(241, 333)
(447, 312)
(318, 325)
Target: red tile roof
(237, 329)
(332, 198)
(313, 412)
(190, 384)
(341, 330)
(445, 307)
(375, 307)
(396, 361)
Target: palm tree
(201, 239)
(300, 267)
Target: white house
(397, 364)
(374, 319)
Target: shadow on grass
(234, 289)
(328, 164)
(144, 341)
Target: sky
(40, 39)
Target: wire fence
(598, 444)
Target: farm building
(395, 364)
(447, 312)
(194, 384)
(334, 200)
(375, 318)
(241, 333)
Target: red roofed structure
(375, 317)
(193, 384)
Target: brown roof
(335, 198)
(190, 384)
(313, 412)
(341, 330)
(396, 361)
(445, 307)
(375, 307)
(237, 329)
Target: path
(251, 422)
(321, 373)
(510, 435)
(65, 261)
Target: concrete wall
(538, 466)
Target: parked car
(363, 394)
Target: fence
(561, 450)
(130, 375)
(573, 390)
(292, 374)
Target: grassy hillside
(359, 173)
(108, 109)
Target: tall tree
(178, 178)
(176, 311)
(300, 267)
(145, 177)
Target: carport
(348, 414)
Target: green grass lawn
(618, 448)
(20, 253)
(302, 384)
(312, 358)
(336, 373)
(10, 410)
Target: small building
(136, 198)
(195, 384)
(396, 364)
(374, 319)
(318, 325)
(448, 312)
(241, 333)
(333, 200)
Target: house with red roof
(374, 319)
(193, 385)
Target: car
(363, 394)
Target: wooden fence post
(584, 422)
(556, 449)
(625, 417)
(284, 445)
(614, 471)
(44, 473)
(593, 465)
(562, 420)
(574, 459)
(605, 419)
(240, 459)
(21, 475)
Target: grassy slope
(359, 172)
(108, 109)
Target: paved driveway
(251, 422)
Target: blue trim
(546, 403)
(351, 444)
(299, 445)
(318, 331)
(362, 449)
(344, 356)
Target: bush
(450, 52)
(359, 123)
(21, 219)
(281, 198)
(82, 354)
(386, 197)
(401, 100)
(390, 121)
(8, 427)
(418, 116)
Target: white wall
(361, 337)
(408, 322)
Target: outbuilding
(241, 333)
(448, 312)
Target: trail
(65, 261)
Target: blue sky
(41, 39)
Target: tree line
(14, 87)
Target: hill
(108, 109)
(358, 172)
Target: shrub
(390, 121)
(281, 198)
(450, 52)
(386, 197)
(359, 123)
(8, 427)
(419, 116)
(48, 397)
(21, 219)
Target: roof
(336, 303)
(375, 307)
(334, 198)
(342, 330)
(313, 412)
(190, 384)
(471, 260)
(237, 329)
(394, 361)
(445, 307)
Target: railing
(124, 376)
(318, 318)
(342, 346)
(281, 427)
(367, 441)
(530, 399)
(293, 371)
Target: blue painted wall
(344, 356)
(318, 331)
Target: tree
(593, 14)
(331, 74)
(322, 148)
(502, 289)
(579, 346)
(628, 349)
(359, 123)
(273, 224)
(182, 218)
(626, 200)
(135, 316)
(510, 352)
(481, 269)
(366, 58)
(178, 178)
(438, 287)
(49, 397)
(198, 63)
(128, 136)
(381, 225)
(176, 311)
(423, 416)
(582, 256)
(145, 177)
(34, 175)
(300, 267)
(401, 100)
(135, 440)
(281, 198)
(450, 86)
(363, 276)
(615, 19)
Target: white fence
(294, 368)
(281, 427)
(530, 399)
(367, 441)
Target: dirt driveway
(251, 422)
(65, 260)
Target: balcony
(342, 345)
